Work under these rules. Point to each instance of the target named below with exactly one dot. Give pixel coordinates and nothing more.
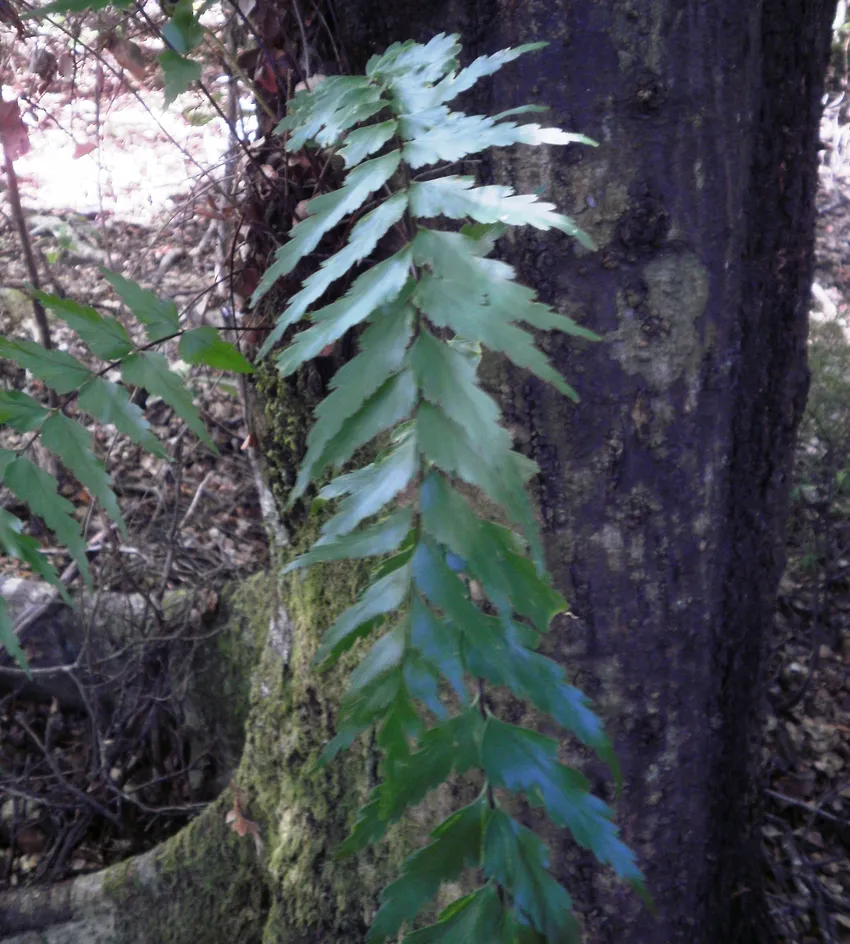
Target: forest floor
(806, 753)
(126, 186)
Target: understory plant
(460, 595)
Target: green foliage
(104, 400)
(461, 597)
(445, 496)
(179, 73)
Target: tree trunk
(662, 495)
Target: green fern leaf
(20, 411)
(492, 554)
(459, 198)
(370, 489)
(440, 585)
(526, 762)
(538, 679)
(322, 114)
(461, 135)
(72, 444)
(476, 917)
(439, 643)
(110, 404)
(26, 549)
(516, 859)
(358, 715)
(60, 371)
(9, 640)
(371, 541)
(39, 490)
(326, 211)
(389, 406)
(451, 746)
(150, 370)
(383, 348)
(446, 444)
(384, 656)
(448, 380)
(362, 142)
(381, 597)
(455, 846)
(158, 315)
(464, 308)
(105, 337)
(363, 239)
(377, 286)
(416, 63)
(205, 346)
(454, 84)
(430, 311)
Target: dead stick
(26, 246)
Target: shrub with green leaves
(102, 400)
(461, 596)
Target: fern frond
(438, 497)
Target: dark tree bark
(662, 495)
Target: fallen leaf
(80, 150)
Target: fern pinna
(428, 310)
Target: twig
(802, 805)
(26, 247)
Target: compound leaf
(371, 541)
(158, 315)
(9, 640)
(150, 370)
(455, 846)
(67, 440)
(20, 411)
(205, 346)
(39, 490)
(105, 336)
(109, 403)
(59, 370)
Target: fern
(426, 311)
